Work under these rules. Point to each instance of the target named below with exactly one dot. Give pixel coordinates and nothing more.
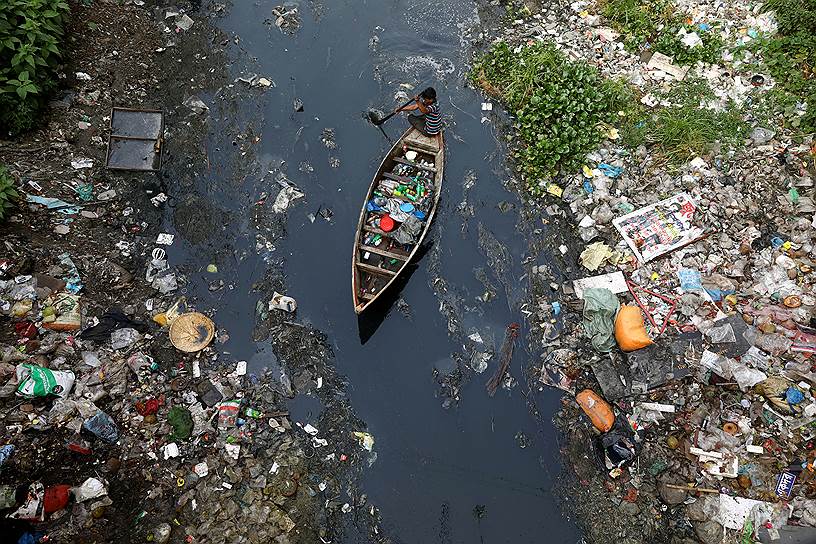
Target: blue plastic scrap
(73, 283)
(51, 203)
(793, 396)
(102, 426)
(609, 170)
(5, 453)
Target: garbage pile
(684, 325)
(152, 397)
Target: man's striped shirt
(433, 119)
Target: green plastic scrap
(600, 308)
(181, 420)
(658, 467)
(748, 532)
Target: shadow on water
(370, 320)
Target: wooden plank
(366, 296)
(421, 141)
(375, 270)
(414, 164)
(384, 253)
(375, 230)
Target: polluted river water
(483, 469)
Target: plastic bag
(630, 331)
(122, 338)
(597, 409)
(61, 312)
(103, 427)
(36, 381)
(90, 489)
(600, 307)
(181, 420)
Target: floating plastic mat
(192, 332)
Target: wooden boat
(379, 256)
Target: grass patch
(686, 128)
(681, 133)
(656, 24)
(560, 106)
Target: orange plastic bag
(630, 332)
(597, 409)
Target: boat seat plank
(414, 164)
(366, 296)
(375, 230)
(384, 253)
(423, 142)
(375, 270)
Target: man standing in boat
(429, 122)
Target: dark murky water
(434, 466)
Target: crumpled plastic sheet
(600, 308)
(595, 255)
(745, 376)
(408, 232)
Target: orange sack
(630, 332)
(597, 409)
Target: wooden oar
(377, 122)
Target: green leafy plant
(669, 43)
(8, 194)
(30, 34)
(560, 106)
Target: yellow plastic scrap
(587, 171)
(555, 190)
(612, 133)
(166, 318)
(595, 255)
(366, 440)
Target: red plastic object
(56, 498)
(26, 329)
(386, 223)
(148, 407)
(78, 445)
